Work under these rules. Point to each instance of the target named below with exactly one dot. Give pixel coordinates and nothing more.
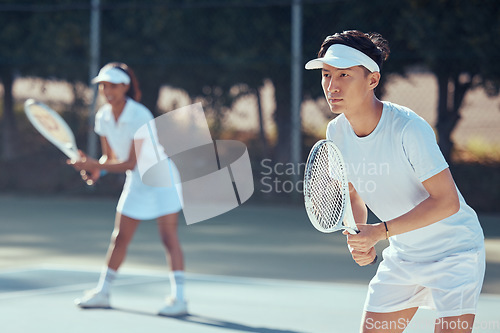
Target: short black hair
(372, 44)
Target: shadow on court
(210, 322)
(230, 325)
(203, 321)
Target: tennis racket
(326, 190)
(53, 127)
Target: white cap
(113, 75)
(343, 56)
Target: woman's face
(115, 94)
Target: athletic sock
(107, 277)
(177, 284)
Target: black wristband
(386, 231)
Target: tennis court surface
(255, 269)
(40, 300)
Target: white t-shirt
(387, 169)
(137, 200)
(120, 133)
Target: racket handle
(376, 256)
(355, 231)
(352, 231)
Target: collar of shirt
(126, 115)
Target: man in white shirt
(436, 253)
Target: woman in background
(116, 123)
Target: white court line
(142, 276)
(198, 277)
(71, 287)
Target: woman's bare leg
(121, 237)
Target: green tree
(15, 30)
(205, 49)
(458, 41)
(46, 39)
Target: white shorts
(450, 285)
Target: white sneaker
(174, 308)
(93, 299)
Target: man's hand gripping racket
(53, 127)
(326, 190)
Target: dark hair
(134, 91)
(372, 44)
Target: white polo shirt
(387, 169)
(137, 200)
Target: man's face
(346, 89)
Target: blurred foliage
(478, 183)
(479, 150)
(206, 47)
(41, 169)
(458, 41)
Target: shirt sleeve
(98, 126)
(143, 125)
(422, 150)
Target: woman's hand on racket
(368, 236)
(84, 163)
(88, 167)
(90, 177)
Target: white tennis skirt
(143, 202)
(450, 285)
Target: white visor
(113, 75)
(343, 56)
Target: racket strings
(327, 193)
(46, 120)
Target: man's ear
(374, 80)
